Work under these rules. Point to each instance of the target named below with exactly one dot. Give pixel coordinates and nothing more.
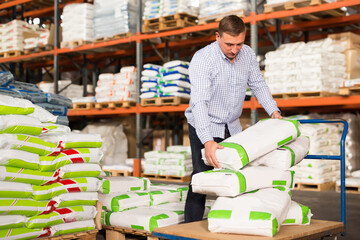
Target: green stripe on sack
(137, 227)
(179, 212)
(135, 188)
(296, 124)
(255, 215)
(115, 206)
(292, 179)
(107, 218)
(23, 130)
(240, 176)
(289, 221)
(305, 212)
(82, 145)
(241, 151)
(153, 221)
(281, 188)
(220, 214)
(141, 193)
(279, 182)
(292, 155)
(286, 140)
(275, 226)
(106, 186)
(5, 110)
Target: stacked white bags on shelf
(247, 203)
(174, 162)
(131, 202)
(41, 41)
(305, 67)
(77, 22)
(112, 17)
(14, 33)
(158, 8)
(117, 87)
(207, 8)
(48, 175)
(169, 80)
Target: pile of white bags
(158, 8)
(48, 175)
(254, 188)
(171, 79)
(210, 9)
(117, 87)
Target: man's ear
(217, 35)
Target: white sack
(298, 215)
(124, 184)
(258, 213)
(285, 156)
(257, 140)
(228, 183)
(12, 221)
(116, 202)
(72, 227)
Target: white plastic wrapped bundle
(74, 140)
(19, 159)
(23, 233)
(76, 199)
(72, 227)
(10, 105)
(116, 202)
(12, 221)
(26, 206)
(164, 196)
(124, 184)
(258, 213)
(257, 140)
(15, 190)
(43, 115)
(145, 218)
(208, 8)
(79, 170)
(228, 183)
(286, 156)
(298, 215)
(178, 149)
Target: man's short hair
(232, 25)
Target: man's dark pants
(195, 202)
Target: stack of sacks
(47, 181)
(305, 67)
(352, 181)
(77, 22)
(247, 204)
(131, 202)
(54, 103)
(208, 8)
(117, 87)
(115, 144)
(158, 8)
(174, 162)
(169, 80)
(14, 33)
(41, 41)
(114, 17)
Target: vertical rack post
(254, 46)
(56, 45)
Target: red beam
(13, 3)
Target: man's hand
(276, 115)
(210, 148)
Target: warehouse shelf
(28, 57)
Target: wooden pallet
(121, 233)
(169, 178)
(12, 53)
(117, 36)
(74, 43)
(347, 91)
(119, 172)
(161, 101)
(83, 106)
(88, 235)
(164, 23)
(217, 17)
(293, 4)
(124, 104)
(39, 49)
(315, 187)
(303, 94)
(349, 189)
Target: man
(219, 76)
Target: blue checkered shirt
(218, 90)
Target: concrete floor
(325, 205)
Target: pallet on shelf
(303, 94)
(11, 53)
(39, 49)
(120, 233)
(116, 36)
(164, 23)
(161, 101)
(166, 177)
(349, 189)
(124, 104)
(347, 91)
(217, 17)
(74, 43)
(88, 235)
(83, 106)
(315, 187)
(119, 172)
(290, 5)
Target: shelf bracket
(269, 34)
(157, 51)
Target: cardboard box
(159, 140)
(349, 40)
(352, 57)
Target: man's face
(230, 45)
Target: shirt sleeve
(200, 79)
(259, 87)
